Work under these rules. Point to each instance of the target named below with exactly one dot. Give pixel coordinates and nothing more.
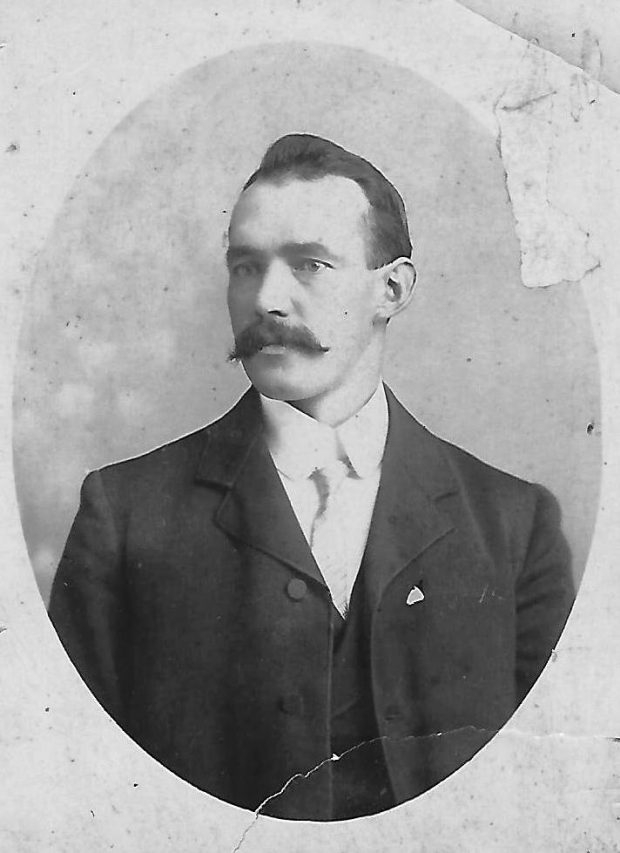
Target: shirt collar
(299, 444)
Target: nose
(275, 290)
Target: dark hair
(301, 155)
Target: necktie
(326, 534)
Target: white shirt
(299, 445)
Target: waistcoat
(360, 783)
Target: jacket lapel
(255, 508)
(406, 520)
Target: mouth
(273, 349)
(274, 339)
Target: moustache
(264, 333)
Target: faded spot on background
(126, 330)
(542, 126)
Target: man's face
(299, 282)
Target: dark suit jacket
(173, 598)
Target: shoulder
(475, 473)
(177, 461)
(505, 497)
(174, 456)
(488, 490)
(509, 514)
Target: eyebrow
(235, 252)
(288, 249)
(311, 249)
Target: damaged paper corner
(546, 120)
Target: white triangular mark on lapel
(415, 595)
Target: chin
(280, 383)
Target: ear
(397, 280)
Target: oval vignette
(126, 332)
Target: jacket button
(292, 704)
(296, 589)
(392, 712)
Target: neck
(337, 405)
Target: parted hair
(308, 157)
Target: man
(312, 606)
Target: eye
(244, 269)
(310, 265)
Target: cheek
(237, 302)
(347, 329)
(353, 315)
(347, 300)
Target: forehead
(328, 210)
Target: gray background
(126, 330)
